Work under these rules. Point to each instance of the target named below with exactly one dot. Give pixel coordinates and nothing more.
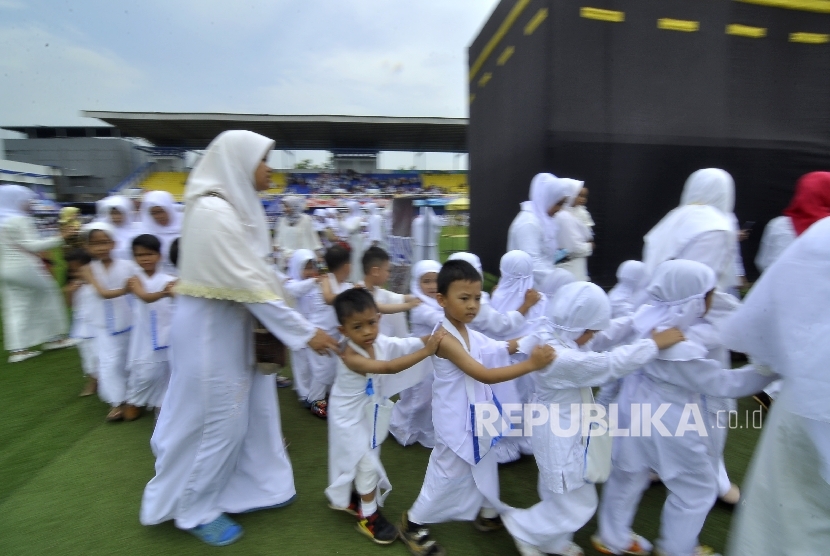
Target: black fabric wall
(633, 110)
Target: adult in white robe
(783, 324)
(165, 225)
(123, 226)
(575, 236)
(426, 234)
(534, 229)
(295, 230)
(376, 229)
(704, 229)
(352, 226)
(33, 307)
(218, 441)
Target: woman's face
(117, 217)
(556, 208)
(582, 198)
(262, 176)
(160, 216)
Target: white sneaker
(572, 550)
(22, 356)
(60, 344)
(526, 549)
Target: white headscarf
(706, 205)
(783, 323)
(554, 280)
(354, 208)
(124, 232)
(470, 258)
(516, 268)
(632, 278)
(164, 200)
(99, 225)
(14, 200)
(575, 308)
(574, 186)
(677, 296)
(546, 190)
(295, 206)
(297, 263)
(225, 245)
(418, 270)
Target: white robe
(527, 234)
(218, 442)
(353, 227)
(778, 235)
(148, 361)
(575, 237)
(33, 307)
(350, 432)
(425, 240)
(288, 239)
(81, 330)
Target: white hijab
(546, 190)
(124, 232)
(14, 200)
(297, 263)
(418, 270)
(677, 296)
(554, 280)
(632, 278)
(783, 323)
(575, 308)
(224, 253)
(706, 205)
(516, 268)
(476, 262)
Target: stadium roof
(333, 133)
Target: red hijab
(811, 201)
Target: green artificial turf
(72, 484)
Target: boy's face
(462, 301)
(310, 270)
(429, 284)
(362, 328)
(147, 259)
(343, 272)
(380, 273)
(99, 245)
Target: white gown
(33, 308)
(218, 442)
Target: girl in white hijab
(412, 415)
(783, 324)
(117, 211)
(33, 307)
(577, 312)
(295, 230)
(161, 218)
(218, 440)
(574, 236)
(353, 226)
(534, 229)
(301, 284)
(375, 225)
(681, 294)
(629, 293)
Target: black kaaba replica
(632, 96)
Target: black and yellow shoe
(488, 524)
(377, 528)
(416, 538)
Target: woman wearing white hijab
(353, 227)
(412, 416)
(33, 307)
(295, 230)
(161, 218)
(534, 229)
(575, 314)
(783, 324)
(117, 211)
(218, 440)
(375, 226)
(629, 292)
(681, 293)
(574, 235)
(426, 233)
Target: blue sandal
(222, 531)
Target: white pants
(112, 367)
(550, 525)
(323, 370)
(718, 432)
(773, 389)
(300, 372)
(454, 490)
(147, 383)
(412, 415)
(691, 496)
(89, 356)
(218, 441)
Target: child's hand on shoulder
(412, 303)
(532, 297)
(542, 356)
(169, 288)
(435, 340)
(667, 338)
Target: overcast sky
(353, 57)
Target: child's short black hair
(336, 256)
(456, 271)
(174, 252)
(147, 241)
(374, 256)
(78, 255)
(351, 301)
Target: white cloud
(12, 5)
